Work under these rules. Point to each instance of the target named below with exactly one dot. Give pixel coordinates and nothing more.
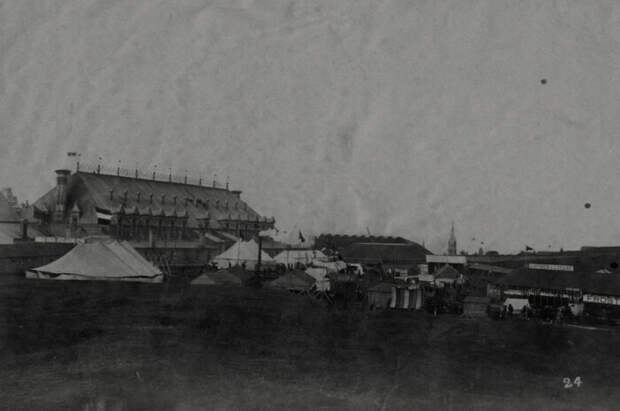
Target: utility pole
(260, 251)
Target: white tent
(331, 266)
(242, 252)
(102, 260)
(299, 256)
(320, 275)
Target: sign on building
(551, 267)
(601, 299)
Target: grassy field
(94, 346)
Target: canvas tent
(242, 252)
(320, 276)
(292, 257)
(330, 266)
(293, 281)
(408, 298)
(221, 277)
(107, 260)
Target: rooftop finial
(154, 171)
(99, 166)
(118, 168)
(227, 181)
(214, 178)
(170, 174)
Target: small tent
(293, 281)
(292, 257)
(331, 266)
(407, 297)
(107, 260)
(242, 252)
(320, 276)
(220, 277)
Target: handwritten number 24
(574, 383)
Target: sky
(394, 117)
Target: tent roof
(293, 280)
(221, 277)
(102, 259)
(447, 271)
(242, 251)
(292, 256)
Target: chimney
(62, 178)
(24, 227)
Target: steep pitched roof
(447, 271)
(154, 197)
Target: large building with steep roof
(145, 209)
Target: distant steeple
(452, 242)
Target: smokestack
(24, 227)
(62, 178)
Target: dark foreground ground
(96, 346)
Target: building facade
(145, 210)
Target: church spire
(452, 242)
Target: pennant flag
(528, 248)
(103, 216)
(301, 238)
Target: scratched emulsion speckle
(398, 117)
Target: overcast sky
(396, 116)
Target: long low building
(556, 287)
(396, 255)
